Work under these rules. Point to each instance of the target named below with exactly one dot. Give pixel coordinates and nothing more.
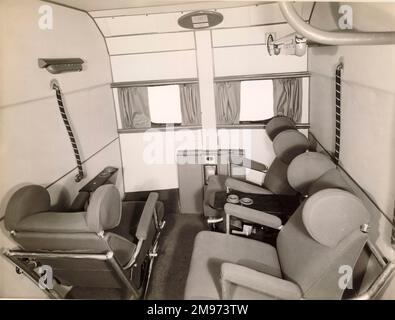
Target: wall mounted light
(291, 44)
(61, 65)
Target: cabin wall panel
(31, 127)
(63, 192)
(154, 66)
(367, 150)
(22, 43)
(254, 59)
(149, 157)
(34, 145)
(248, 36)
(140, 24)
(151, 43)
(368, 114)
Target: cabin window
(256, 101)
(165, 104)
(159, 105)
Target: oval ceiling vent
(200, 19)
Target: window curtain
(287, 98)
(227, 102)
(190, 104)
(134, 108)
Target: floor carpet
(171, 267)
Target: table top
(279, 205)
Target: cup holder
(233, 198)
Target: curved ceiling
(96, 5)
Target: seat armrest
(250, 164)
(80, 201)
(234, 274)
(252, 215)
(147, 216)
(245, 187)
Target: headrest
(331, 215)
(277, 125)
(24, 202)
(289, 144)
(330, 179)
(306, 169)
(104, 210)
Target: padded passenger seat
(287, 144)
(110, 245)
(327, 231)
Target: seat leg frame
(21, 259)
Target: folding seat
(109, 245)
(326, 233)
(287, 144)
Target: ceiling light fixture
(200, 19)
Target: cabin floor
(172, 265)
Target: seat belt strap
(55, 86)
(338, 80)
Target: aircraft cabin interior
(197, 150)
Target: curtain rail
(265, 76)
(153, 83)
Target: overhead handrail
(332, 38)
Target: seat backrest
(306, 168)
(35, 226)
(320, 239)
(311, 172)
(287, 145)
(278, 124)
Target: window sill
(256, 126)
(159, 128)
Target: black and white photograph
(175, 154)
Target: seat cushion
(211, 249)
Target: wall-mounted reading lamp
(61, 65)
(291, 44)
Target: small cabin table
(282, 206)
